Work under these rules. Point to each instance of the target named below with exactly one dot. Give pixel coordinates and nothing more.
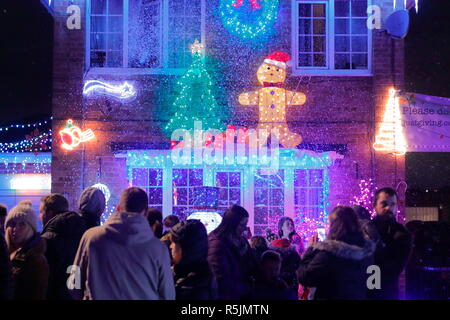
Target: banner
(426, 122)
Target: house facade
(343, 68)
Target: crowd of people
(136, 254)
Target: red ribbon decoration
(273, 84)
(254, 3)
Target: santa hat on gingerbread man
(278, 58)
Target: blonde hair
(12, 247)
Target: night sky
(26, 71)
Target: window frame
(329, 70)
(228, 171)
(164, 70)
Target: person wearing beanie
(26, 249)
(192, 275)
(91, 206)
(62, 231)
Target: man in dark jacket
(63, 231)
(394, 248)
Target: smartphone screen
(321, 233)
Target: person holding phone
(337, 266)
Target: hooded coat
(63, 234)
(338, 270)
(30, 270)
(91, 206)
(122, 260)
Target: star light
(197, 47)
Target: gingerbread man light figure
(273, 99)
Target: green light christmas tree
(195, 101)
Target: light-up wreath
(240, 22)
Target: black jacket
(63, 234)
(6, 278)
(391, 255)
(338, 270)
(194, 282)
(234, 270)
(30, 270)
(290, 261)
(272, 290)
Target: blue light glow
(246, 24)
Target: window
(183, 181)
(150, 180)
(308, 193)
(312, 35)
(331, 37)
(268, 201)
(151, 34)
(229, 184)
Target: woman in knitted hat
(193, 277)
(26, 249)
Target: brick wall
(339, 110)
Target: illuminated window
(269, 201)
(183, 181)
(151, 180)
(308, 193)
(312, 35)
(151, 34)
(229, 183)
(331, 37)
(106, 33)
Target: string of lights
(26, 125)
(35, 144)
